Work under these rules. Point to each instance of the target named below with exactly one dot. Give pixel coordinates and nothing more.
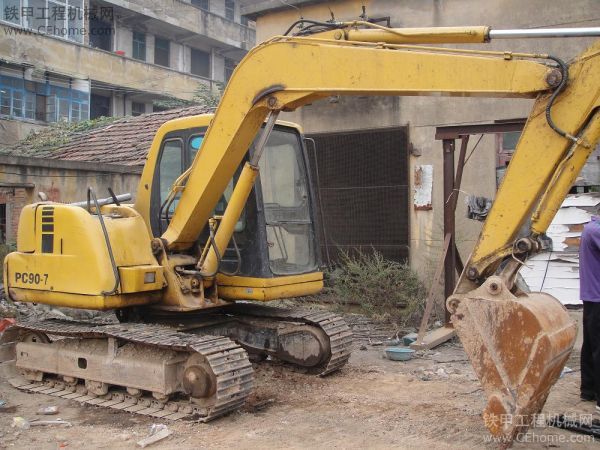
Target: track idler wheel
(199, 381)
(518, 347)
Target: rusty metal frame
(453, 264)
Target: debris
(258, 406)
(425, 376)
(47, 411)
(590, 427)
(125, 436)
(375, 343)
(35, 423)
(441, 373)
(363, 347)
(20, 423)
(437, 324)
(565, 371)
(409, 338)
(2, 403)
(5, 323)
(157, 433)
(478, 207)
(393, 342)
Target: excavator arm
(517, 343)
(286, 73)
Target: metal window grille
(362, 183)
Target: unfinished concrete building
(70, 60)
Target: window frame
(230, 10)
(19, 97)
(135, 112)
(156, 194)
(139, 46)
(40, 24)
(200, 6)
(158, 39)
(208, 60)
(229, 66)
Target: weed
(385, 290)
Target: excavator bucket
(518, 346)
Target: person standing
(589, 283)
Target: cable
(328, 25)
(291, 6)
(564, 70)
(90, 193)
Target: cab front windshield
(285, 196)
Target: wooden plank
(434, 338)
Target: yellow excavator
(187, 266)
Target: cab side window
(170, 167)
(194, 145)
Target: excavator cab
(274, 239)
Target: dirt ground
(431, 401)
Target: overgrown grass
(385, 290)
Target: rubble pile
(10, 309)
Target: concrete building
(410, 225)
(77, 59)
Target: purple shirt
(589, 262)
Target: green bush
(384, 289)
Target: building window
(61, 18)
(202, 4)
(18, 97)
(100, 33)
(230, 9)
(200, 63)
(25, 99)
(137, 109)
(161, 51)
(41, 107)
(230, 65)
(244, 21)
(139, 46)
(100, 106)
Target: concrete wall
(424, 114)
(212, 24)
(12, 131)
(22, 178)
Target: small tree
(204, 95)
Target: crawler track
(229, 363)
(334, 326)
